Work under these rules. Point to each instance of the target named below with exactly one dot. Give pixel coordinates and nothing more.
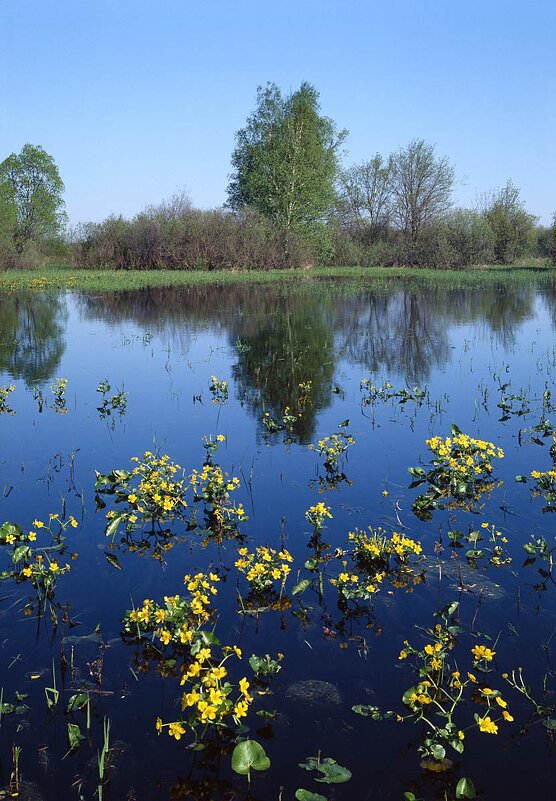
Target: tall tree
(511, 223)
(31, 188)
(421, 185)
(364, 194)
(285, 160)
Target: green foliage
(31, 203)
(465, 789)
(307, 795)
(285, 162)
(249, 755)
(329, 770)
(512, 225)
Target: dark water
(162, 347)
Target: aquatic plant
(264, 567)
(441, 687)
(333, 448)
(113, 403)
(218, 390)
(153, 493)
(5, 392)
(493, 549)
(212, 487)
(459, 473)
(58, 389)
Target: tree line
(291, 203)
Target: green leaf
(112, 526)
(21, 552)
(113, 560)
(74, 736)
(249, 755)
(333, 773)
(465, 789)
(301, 586)
(438, 751)
(77, 701)
(307, 795)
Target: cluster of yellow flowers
(264, 566)
(218, 390)
(545, 485)
(317, 514)
(158, 494)
(377, 546)
(213, 486)
(352, 587)
(463, 454)
(154, 491)
(442, 689)
(210, 698)
(180, 619)
(332, 449)
(39, 566)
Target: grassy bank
(117, 280)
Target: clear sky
(138, 99)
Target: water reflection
(283, 336)
(32, 328)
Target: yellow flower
(482, 652)
(32, 536)
(500, 701)
(506, 715)
(54, 567)
(203, 655)
(176, 730)
(27, 572)
(132, 498)
(461, 735)
(165, 636)
(240, 709)
(38, 524)
(158, 725)
(189, 699)
(487, 725)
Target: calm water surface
(162, 347)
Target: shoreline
(105, 280)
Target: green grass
(116, 280)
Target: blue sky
(138, 100)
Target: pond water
(481, 357)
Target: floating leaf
(249, 755)
(77, 701)
(112, 526)
(307, 795)
(465, 789)
(113, 560)
(74, 736)
(301, 586)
